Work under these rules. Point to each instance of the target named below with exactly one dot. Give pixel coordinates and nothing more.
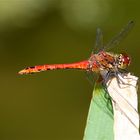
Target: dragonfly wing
(99, 41)
(92, 77)
(122, 34)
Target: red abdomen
(83, 65)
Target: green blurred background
(53, 105)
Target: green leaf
(100, 117)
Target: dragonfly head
(123, 61)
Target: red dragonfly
(99, 60)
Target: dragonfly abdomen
(83, 65)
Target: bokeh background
(53, 105)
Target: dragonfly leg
(120, 81)
(104, 81)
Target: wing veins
(122, 34)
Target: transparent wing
(116, 40)
(92, 77)
(99, 41)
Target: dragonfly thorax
(108, 61)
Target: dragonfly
(99, 60)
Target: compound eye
(125, 59)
